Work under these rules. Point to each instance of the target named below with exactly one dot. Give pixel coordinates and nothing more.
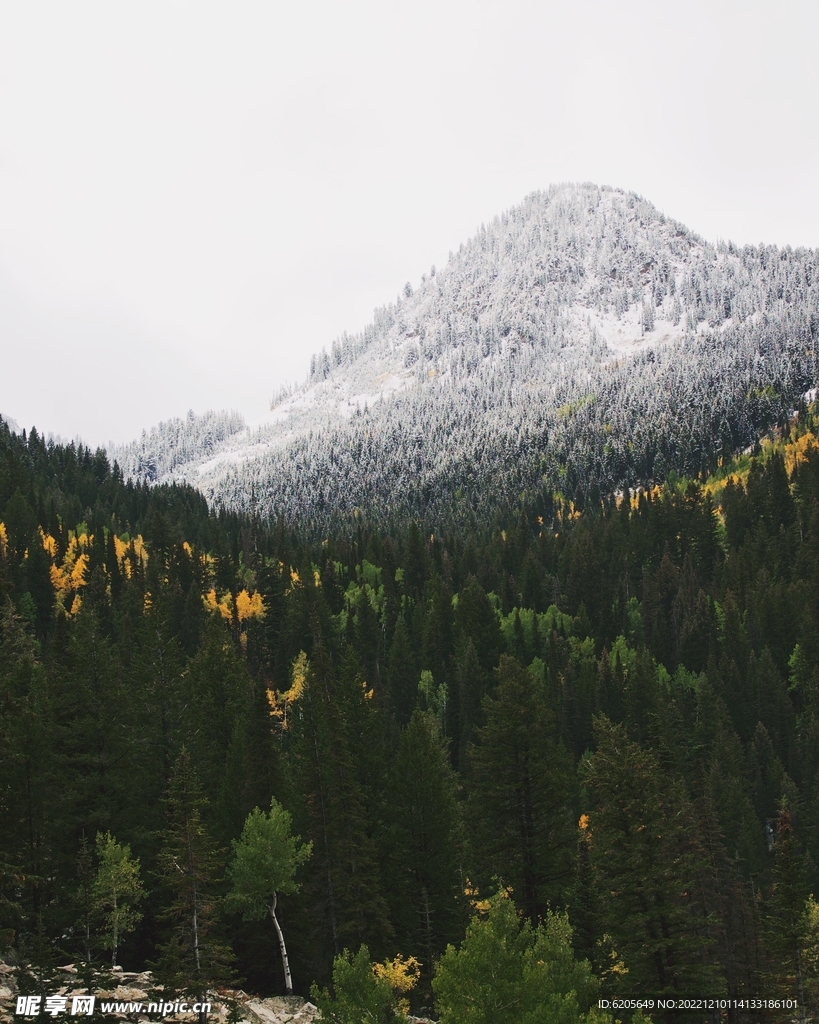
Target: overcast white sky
(195, 197)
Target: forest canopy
(592, 729)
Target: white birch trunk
(288, 980)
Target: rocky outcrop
(139, 988)
(282, 1010)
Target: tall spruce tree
(790, 930)
(648, 857)
(192, 958)
(520, 794)
(343, 891)
(425, 839)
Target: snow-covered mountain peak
(550, 306)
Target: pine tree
(520, 793)
(507, 972)
(647, 856)
(192, 958)
(402, 675)
(790, 929)
(424, 865)
(343, 888)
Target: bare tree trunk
(800, 988)
(288, 980)
(116, 929)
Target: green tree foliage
(343, 887)
(507, 972)
(521, 783)
(265, 860)
(649, 859)
(694, 633)
(423, 868)
(116, 891)
(360, 995)
(791, 924)
(192, 957)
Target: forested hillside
(609, 709)
(581, 342)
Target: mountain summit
(581, 342)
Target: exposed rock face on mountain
(580, 342)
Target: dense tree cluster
(613, 711)
(175, 442)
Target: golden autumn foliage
(213, 604)
(139, 549)
(401, 975)
(127, 549)
(565, 511)
(77, 578)
(281, 702)
(249, 606)
(68, 577)
(652, 493)
(473, 894)
(797, 451)
(49, 543)
(59, 580)
(69, 574)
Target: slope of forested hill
(581, 342)
(613, 711)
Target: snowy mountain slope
(163, 449)
(580, 341)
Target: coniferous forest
(574, 756)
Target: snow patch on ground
(624, 335)
(385, 385)
(310, 408)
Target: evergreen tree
(790, 929)
(520, 793)
(648, 858)
(343, 888)
(507, 972)
(192, 958)
(402, 674)
(424, 864)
